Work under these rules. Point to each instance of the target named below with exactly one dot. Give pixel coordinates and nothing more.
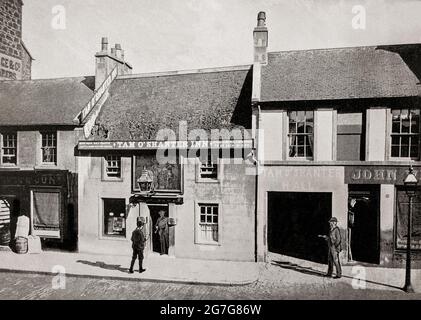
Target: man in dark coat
(161, 227)
(334, 248)
(138, 245)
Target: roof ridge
(45, 79)
(186, 71)
(345, 47)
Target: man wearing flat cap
(138, 245)
(334, 248)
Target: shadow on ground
(311, 271)
(103, 265)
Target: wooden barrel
(21, 245)
(5, 235)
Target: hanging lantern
(145, 181)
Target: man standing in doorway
(138, 245)
(161, 227)
(334, 248)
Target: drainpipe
(256, 189)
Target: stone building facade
(15, 59)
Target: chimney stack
(118, 51)
(106, 61)
(104, 44)
(260, 37)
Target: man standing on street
(138, 245)
(334, 248)
(161, 227)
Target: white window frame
(54, 163)
(200, 166)
(105, 161)
(198, 234)
(289, 134)
(390, 134)
(2, 134)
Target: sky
(164, 35)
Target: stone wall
(15, 62)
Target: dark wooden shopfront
(48, 199)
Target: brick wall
(15, 62)
(11, 27)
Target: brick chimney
(106, 60)
(260, 37)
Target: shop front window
(46, 213)
(114, 217)
(402, 208)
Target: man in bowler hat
(334, 247)
(138, 245)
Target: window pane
(405, 151)
(395, 140)
(300, 152)
(415, 121)
(414, 151)
(405, 125)
(396, 126)
(395, 151)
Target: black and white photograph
(239, 151)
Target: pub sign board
(154, 145)
(378, 174)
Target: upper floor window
(113, 166)
(300, 134)
(49, 147)
(9, 148)
(405, 133)
(209, 167)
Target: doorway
(364, 223)
(154, 215)
(295, 219)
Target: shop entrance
(154, 216)
(364, 223)
(295, 219)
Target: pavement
(355, 276)
(158, 268)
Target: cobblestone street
(270, 286)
